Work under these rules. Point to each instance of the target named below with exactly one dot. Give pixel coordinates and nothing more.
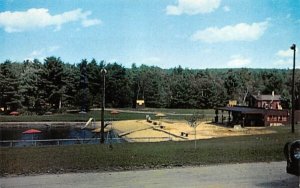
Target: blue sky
(195, 34)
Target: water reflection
(77, 136)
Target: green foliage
(70, 89)
(195, 118)
(29, 84)
(10, 98)
(52, 83)
(84, 90)
(118, 93)
(155, 88)
(92, 79)
(55, 85)
(183, 91)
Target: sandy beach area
(143, 131)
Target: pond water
(53, 136)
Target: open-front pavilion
(246, 116)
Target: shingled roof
(267, 97)
(250, 110)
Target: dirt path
(229, 175)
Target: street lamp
(103, 72)
(293, 47)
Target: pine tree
(52, 82)
(10, 98)
(29, 84)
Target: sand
(143, 131)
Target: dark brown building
(248, 116)
(262, 110)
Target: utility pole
(293, 47)
(103, 72)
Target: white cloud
(226, 8)
(286, 61)
(88, 23)
(284, 58)
(43, 52)
(173, 10)
(192, 7)
(286, 53)
(39, 18)
(239, 32)
(36, 53)
(238, 61)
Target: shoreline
(40, 124)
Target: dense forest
(52, 85)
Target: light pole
(103, 72)
(293, 47)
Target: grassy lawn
(178, 111)
(59, 159)
(71, 117)
(96, 114)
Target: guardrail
(47, 142)
(75, 141)
(148, 139)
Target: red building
(265, 101)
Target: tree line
(52, 85)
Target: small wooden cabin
(140, 104)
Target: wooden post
(103, 71)
(293, 47)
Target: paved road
(232, 175)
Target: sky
(195, 34)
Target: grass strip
(129, 156)
(71, 117)
(96, 114)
